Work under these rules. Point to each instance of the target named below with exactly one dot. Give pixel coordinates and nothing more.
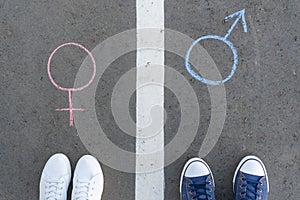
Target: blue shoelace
(201, 189)
(251, 187)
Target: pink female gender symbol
(70, 90)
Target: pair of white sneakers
(56, 176)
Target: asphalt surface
(263, 97)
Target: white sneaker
(55, 178)
(88, 179)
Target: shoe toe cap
(253, 167)
(196, 169)
(57, 166)
(87, 167)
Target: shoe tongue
(199, 184)
(54, 179)
(198, 180)
(252, 178)
(85, 179)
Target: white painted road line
(150, 93)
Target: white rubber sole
(243, 161)
(186, 166)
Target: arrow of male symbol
(240, 15)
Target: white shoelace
(54, 190)
(82, 190)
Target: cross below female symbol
(70, 90)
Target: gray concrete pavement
(262, 97)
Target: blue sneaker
(250, 181)
(197, 182)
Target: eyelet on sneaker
(190, 192)
(260, 190)
(261, 183)
(210, 190)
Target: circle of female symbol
(70, 90)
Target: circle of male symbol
(88, 124)
(200, 78)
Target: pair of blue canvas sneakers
(250, 181)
